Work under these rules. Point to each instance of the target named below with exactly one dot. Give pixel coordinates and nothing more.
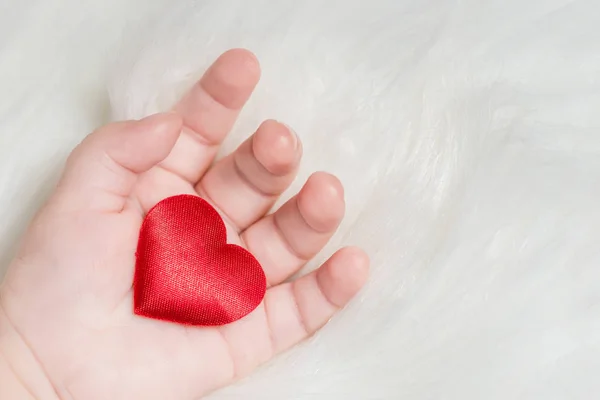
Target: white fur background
(467, 133)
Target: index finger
(209, 110)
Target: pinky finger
(293, 311)
(296, 310)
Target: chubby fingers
(293, 311)
(285, 240)
(246, 184)
(101, 172)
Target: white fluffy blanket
(466, 132)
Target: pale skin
(67, 330)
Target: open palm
(68, 298)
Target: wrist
(21, 376)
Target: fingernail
(161, 116)
(157, 116)
(164, 120)
(293, 134)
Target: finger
(209, 110)
(282, 242)
(246, 184)
(293, 311)
(101, 171)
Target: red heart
(186, 272)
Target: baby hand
(67, 330)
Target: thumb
(101, 172)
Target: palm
(87, 339)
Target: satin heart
(186, 272)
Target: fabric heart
(186, 272)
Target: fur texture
(465, 131)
